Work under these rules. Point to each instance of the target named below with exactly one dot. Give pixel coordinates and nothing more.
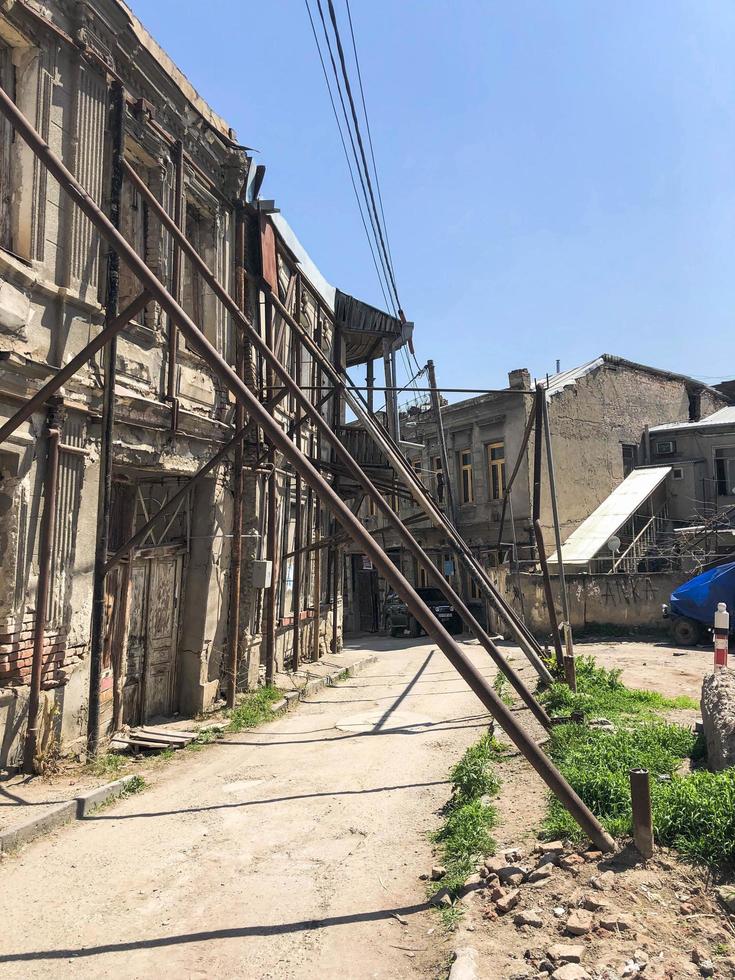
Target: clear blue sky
(558, 175)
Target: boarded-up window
(7, 81)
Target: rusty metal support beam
(549, 594)
(45, 556)
(79, 360)
(176, 270)
(104, 503)
(271, 540)
(640, 799)
(449, 646)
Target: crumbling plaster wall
(589, 423)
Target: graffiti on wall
(627, 591)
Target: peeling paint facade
(598, 417)
(168, 620)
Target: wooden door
(135, 656)
(162, 618)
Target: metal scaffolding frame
(280, 442)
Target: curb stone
(318, 683)
(77, 809)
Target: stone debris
(579, 923)
(542, 873)
(513, 855)
(594, 904)
(565, 953)
(616, 921)
(604, 881)
(572, 971)
(512, 875)
(559, 911)
(465, 964)
(442, 898)
(494, 864)
(529, 917)
(508, 901)
(707, 968)
(592, 855)
(552, 847)
(570, 862)
(437, 872)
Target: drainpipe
(45, 549)
(117, 126)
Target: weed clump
(601, 692)
(253, 709)
(464, 838)
(692, 812)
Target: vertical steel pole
(45, 557)
(176, 271)
(271, 544)
(238, 479)
(117, 132)
(569, 664)
(538, 435)
(441, 436)
(370, 381)
(640, 799)
(548, 592)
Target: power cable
(371, 213)
(347, 156)
(369, 133)
(358, 134)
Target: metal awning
(364, 328)
(593, 533)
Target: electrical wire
(369, 133)
(347, 156)
(372, 215)
(358, 134)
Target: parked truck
(691, 608)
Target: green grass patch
(464, 838)
(600, 692)
(501, 686)
(107, 764)
(693, 812)
(253, 709)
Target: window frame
(466, 476)
(495, 466)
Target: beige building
(169, 608)
(599, 414)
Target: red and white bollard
(722, 635)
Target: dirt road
(290, 851)
(284, 852)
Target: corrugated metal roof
(593, 534)
(723, 416)
(558, 382)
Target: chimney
(520, 378)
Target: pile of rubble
(576, 915)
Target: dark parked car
(397, 619)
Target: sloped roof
(593, 533)
(723, 416)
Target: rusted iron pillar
(298, 535)
(416, 607)
(548, 593)
(441, 436)
(176, 270)
(569, 663)
(271, 544)
(97, 632)
(238, 477)
(45, 556)
(336, 550)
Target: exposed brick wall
(16, 656)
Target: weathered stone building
(168, 616)
(599, 414)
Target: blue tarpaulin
(698, 598)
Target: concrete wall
(596, 602)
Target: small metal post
(640, 798)
(721, 635)
(553, 624)
(441, 435)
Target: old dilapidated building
(599, 415)
(181, 598)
